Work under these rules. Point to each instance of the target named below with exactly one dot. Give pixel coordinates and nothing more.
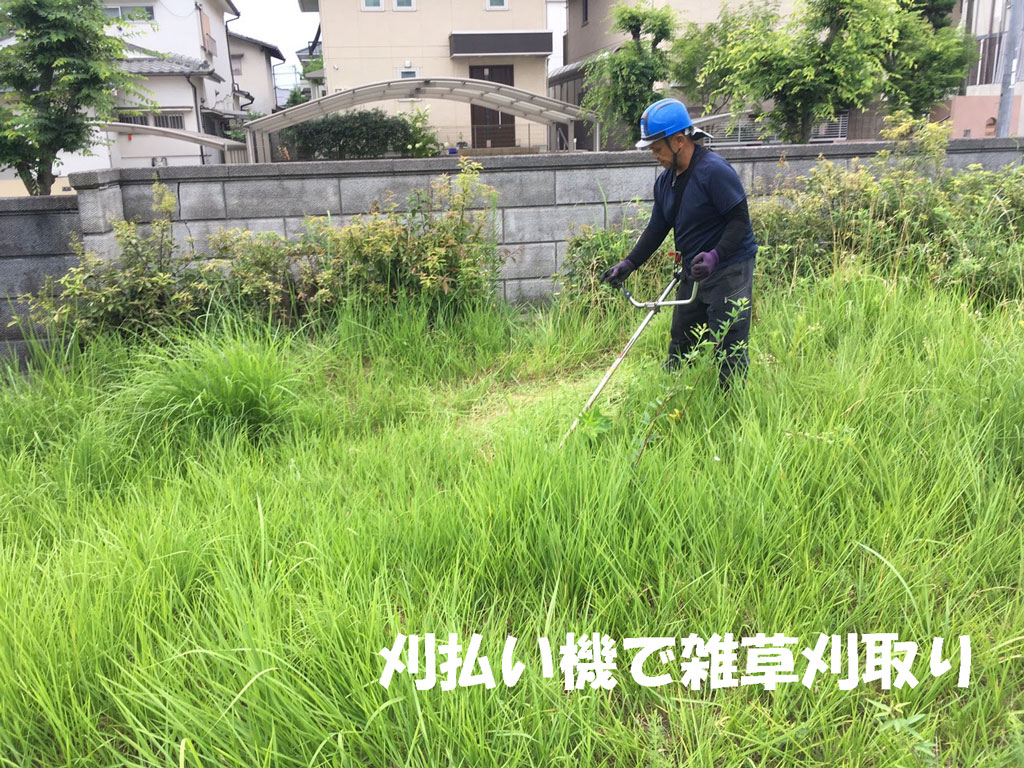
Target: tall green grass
(206, 539)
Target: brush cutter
(654, 307)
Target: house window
(124, 117)
(132, 12)
(496, 5)
(405, 5)
(169, 121)
(236, 64)
(586, 12)
(408, 73)
(372, 5)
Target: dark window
(123, 117)
(586, 11)
(169, 121)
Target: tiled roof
(142, 61)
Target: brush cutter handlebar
(661, 301)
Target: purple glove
(617, 274)
(704, 264)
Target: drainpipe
(199, 117)
(231, 66)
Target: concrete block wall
(543, 200)
(35, 236)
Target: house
(181, 50)
(974, 114)
(501, 41)
(253, 71)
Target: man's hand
(704, 264)
(618, 274)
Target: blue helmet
(664, 118)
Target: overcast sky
(278, 22)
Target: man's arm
(737, 223)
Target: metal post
(265, 154)
(1010, 55)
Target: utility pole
(1010, 54)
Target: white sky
(278, 22)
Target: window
(408, 74)
(496, 5)
(124, 117)
(586, 12)
(132, 12)
(405, 5)
(372, 5)
(169, 121)
(236, 64)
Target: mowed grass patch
(217, 592)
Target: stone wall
(543, 199)
(35, 234)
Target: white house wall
(257, 75)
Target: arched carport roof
(232, 149)
(504, 98)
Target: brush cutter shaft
(654, 307)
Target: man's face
(662, 150)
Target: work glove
(704, 264)
(618, 274)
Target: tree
(928, 61)
(64, 76)
(691, 52)
(829, 58)
(618, 86)
(296, 97)
(836, 55)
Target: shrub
(149, 285)
(901, 213)
(592, 250)
(355, 134)
(441, 252)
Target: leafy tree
(926, 64)
(62, 70)
(620, 85)
(830, 57)
(296, 97)
(691, 52)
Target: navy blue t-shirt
(713, 190)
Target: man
(701, 198)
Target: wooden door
(492, 128)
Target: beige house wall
(370, 46)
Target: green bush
(901, 213)
(592, 250)
(360, 133)
(440, 252)
(150, 285)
